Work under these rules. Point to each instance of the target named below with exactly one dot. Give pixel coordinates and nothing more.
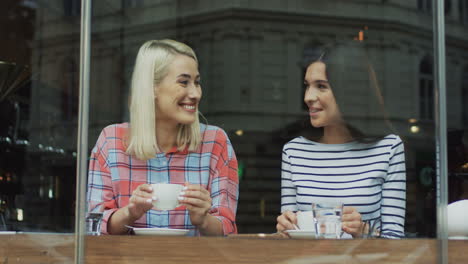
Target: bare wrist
(130, 219)
(205, 224)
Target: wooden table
(59, 248)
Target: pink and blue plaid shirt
(114, 174)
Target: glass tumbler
(93, 223)
(327, 219)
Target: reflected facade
(253, 55)
(39, 103)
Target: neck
(337, 134)
(166, 135)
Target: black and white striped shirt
(368, 176)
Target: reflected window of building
(71, 8)
(426, 86)
(425, 6)
(465, 96)
(463, 9)
(132, 3)
(70, 90)
(448, 7)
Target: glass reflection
(252, 62)
(457, 120)
(253, 68)
(38, 99)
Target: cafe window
(253, 56)
(426, 86)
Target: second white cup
(305, 221)
(166, 195)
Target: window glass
(39, 71)
(253, 56)
(457, 125)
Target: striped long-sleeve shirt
(114, 175)
(368, 176)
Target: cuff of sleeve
(229, 227)
(105, 219)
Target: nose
(311, 95)
(194, 92)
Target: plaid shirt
(114, 175)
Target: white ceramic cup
(457, 213)
(166, 195)
(305, 220)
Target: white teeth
(314, 111)
(190, 107)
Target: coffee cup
(166, 195)
(457, 215)
(305, 221)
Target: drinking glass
(327, 219)
(93, 223)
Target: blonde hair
(151, 66)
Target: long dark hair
(356, 89)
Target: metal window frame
(82, 140)
(441, 128)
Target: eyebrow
(317, 81)
(186, 75)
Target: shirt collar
(174, 150)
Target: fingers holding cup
(140, 201)
(286, 221)
(198, 202)
(352, 221)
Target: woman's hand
(352, 222)
(286, 221)
(197, 200)
(140, 202)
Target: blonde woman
(164, 143)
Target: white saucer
(301, 234)
(458, 237)
(155, 231)
(7, 232)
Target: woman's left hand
(197, 200)
(351, 222)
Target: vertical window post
(82, 140)
(441, 130)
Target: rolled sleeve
(100, 196)
(225, 188)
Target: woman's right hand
(140, 202)
(286, 221)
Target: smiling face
(323, 109)
(178, 94)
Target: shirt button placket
(165, 167)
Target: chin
(316, 124)
(186, 121)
